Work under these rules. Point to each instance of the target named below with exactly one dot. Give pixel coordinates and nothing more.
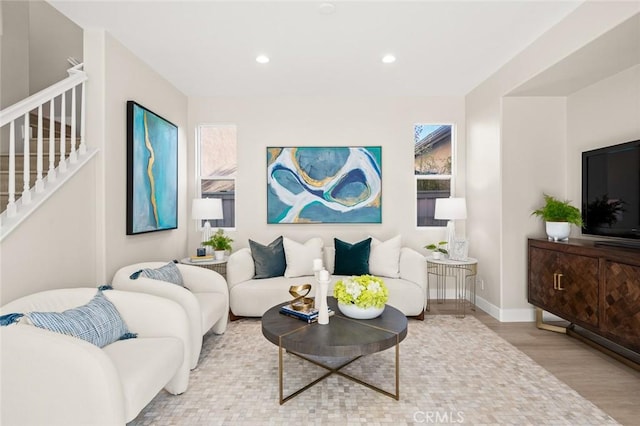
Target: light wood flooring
(609, 384)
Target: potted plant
(361, 297)
(559, 216)
(437, 249)
(220, 244)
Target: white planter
(352, 311)
(436, 255)
(219, 254)
(558, 231)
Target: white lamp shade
(206, 208)
(450, 209)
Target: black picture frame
(152, 171)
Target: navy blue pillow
(352, 259)
(269, 260)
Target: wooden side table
(220, 266)
(461, 271)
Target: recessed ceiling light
(388, 59)
(326, 8)
(262, 59)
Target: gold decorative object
(300, 302)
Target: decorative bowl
(355, 312)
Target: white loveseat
(50, 378)
(249, 297)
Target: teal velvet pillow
(352, 259)
(269, 260)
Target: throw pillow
(269, 260)
(384, 260)
(300, 257)
(98, 322)
(352, 259)
(169, 273)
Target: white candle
(324, 275)
(317, 264)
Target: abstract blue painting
(324, 184)
(152, 171)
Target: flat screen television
(611, 191)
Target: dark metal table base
(337, 371)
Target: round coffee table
(342, 338)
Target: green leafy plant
(437, 247)
(555, 210)
(219, 241)
(364, 291)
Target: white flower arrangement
(364, 291)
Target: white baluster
(26, 194)
(73, 156)
(11, 205)
(39, 152)
(83, 148)
(63, 136)
(51, 175)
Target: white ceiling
(208, 48)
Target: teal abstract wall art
(324, 184)
(152, 171)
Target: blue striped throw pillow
(97, 322)
(169, 273)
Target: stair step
(33, 143)
(4, 180)
(33, 161)
(33, 123)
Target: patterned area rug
(452, 371)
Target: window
(216, 164)
(433, 160)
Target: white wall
(52, 39)
(54, 247)
(327, 121)
(487, 156)
(534, 153)
(606, 113)
(14, 53)
(127, 78)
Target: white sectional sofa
(250, 297)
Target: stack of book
(201, 258)
(308, 316)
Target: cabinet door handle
(560, 283)
(555, 280)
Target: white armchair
(54, 379)
(204, 297)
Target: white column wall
(534, 151)
(126, 77)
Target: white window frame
(198, 176)
(450, 177)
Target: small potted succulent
(220, 244)
(437, 249)
(559, 216)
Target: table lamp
(206, 209)
(450, 209)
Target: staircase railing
(48, 104)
